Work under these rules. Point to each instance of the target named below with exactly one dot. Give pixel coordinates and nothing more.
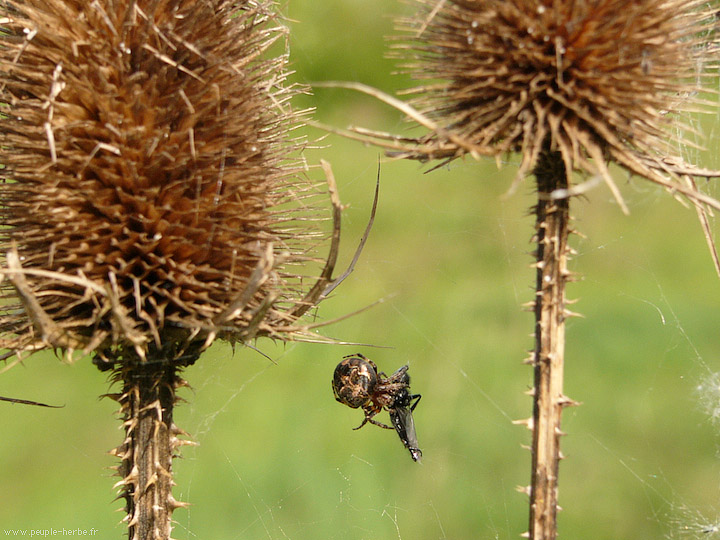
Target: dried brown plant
(153, 200)
(598, 81)
(570, 85)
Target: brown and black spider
(357, 383)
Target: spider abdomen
(354, 381)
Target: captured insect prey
(357, 383)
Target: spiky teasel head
(592, 80)
(151, 200)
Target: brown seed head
(150, 192)
(593, 79)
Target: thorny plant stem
(147, 401)
(548, 357)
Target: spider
(357, 383)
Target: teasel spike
(153, 201)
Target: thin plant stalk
(552, 229)
(151, 440)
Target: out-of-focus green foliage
(277, 457)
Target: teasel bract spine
(153, 200)
(569, 86)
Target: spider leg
(380, 424)
(369, 414)
(370, 410)
(399, 375)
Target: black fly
(403, 422)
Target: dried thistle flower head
(593, 80)
(150, 197)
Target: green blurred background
(277, 457)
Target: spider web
(277, 457)
(285, 462)
(450, 256)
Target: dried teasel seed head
(152, 197)
(593, 80)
